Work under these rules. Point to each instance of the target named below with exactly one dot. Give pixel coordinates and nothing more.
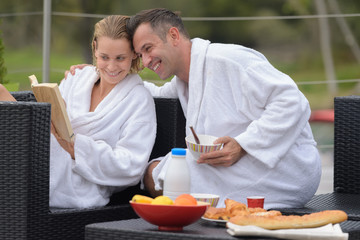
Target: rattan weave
(347, 144)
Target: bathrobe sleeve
(168, 90)
(124, 164)
(277, 109)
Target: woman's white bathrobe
(112, 144)
(234, 91)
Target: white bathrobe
(234, 91)
(112, 144)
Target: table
(349, 203)
(140, 229)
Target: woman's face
(113, 59)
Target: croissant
(217, 213)
(233, 206)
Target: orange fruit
(185, 200)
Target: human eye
(103, 57)
(120, 58)
(148, 49)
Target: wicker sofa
(24, 171)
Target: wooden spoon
(195, 136)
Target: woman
(114, 121)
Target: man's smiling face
(156, 54)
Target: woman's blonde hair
(114, 27)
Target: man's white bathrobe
(112, 144)
(234, 91)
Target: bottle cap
(178, 151)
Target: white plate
(217, 221)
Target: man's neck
(184, 72)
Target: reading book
(49, 92)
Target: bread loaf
(285, 222)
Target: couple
(234, 93)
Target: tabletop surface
(202, 229)
(140, 229)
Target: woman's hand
(67, 146)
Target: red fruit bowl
(170, 217)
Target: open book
(49, 92)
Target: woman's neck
(99, 92)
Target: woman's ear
(94, 47)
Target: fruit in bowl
(142, 199)
(185, 200)
(206, 145)
(172, 215)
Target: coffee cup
(255, 201)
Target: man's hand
(227, 156)
(74, 67)
(67, 146)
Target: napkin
(327, 232)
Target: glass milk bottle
(177, 177)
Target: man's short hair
(160, 19)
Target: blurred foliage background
(292, 45)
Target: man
(234, 93)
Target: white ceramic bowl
(206, 145)
(205, 197)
